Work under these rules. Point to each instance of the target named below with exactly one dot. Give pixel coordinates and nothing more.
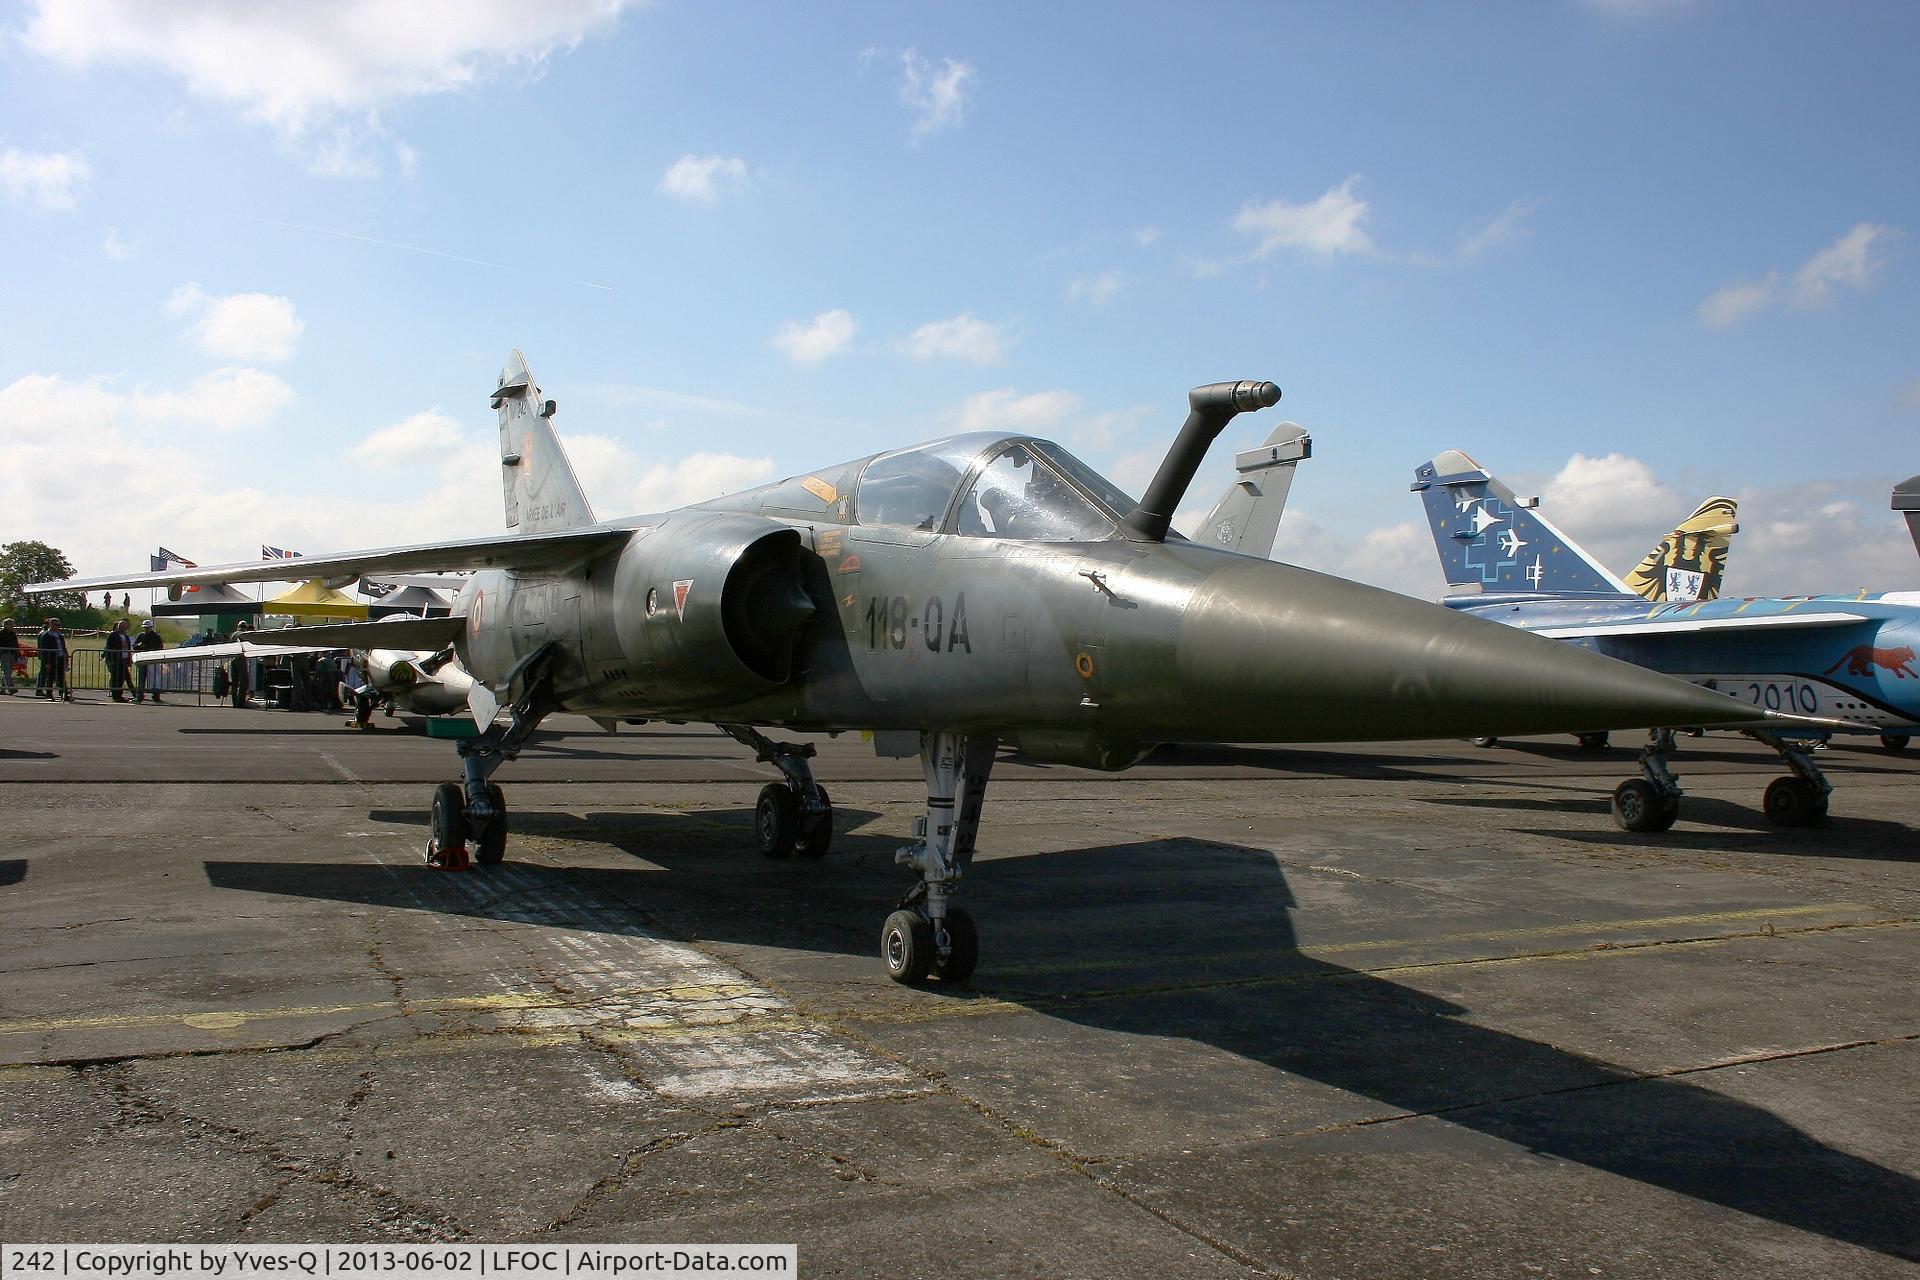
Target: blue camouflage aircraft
(1846, 659)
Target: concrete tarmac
(1399, 1010)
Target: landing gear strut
(928, 935)
(795, 816)
(1800, 799)
(1650, 802)
(474, 812)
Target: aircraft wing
(508, 551)
(209, 652)
(1658, 627)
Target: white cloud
(1038, 412)
(317, 72)
(964, 337)
(938, 95)
(824, 336)
(666, 485)
(1327, 226)
(227, 400)
(1504, 228)
(239, 326)
(1397, 557)
(702, 179)
(1851, 262)
(52, 180)
(116, 248)
(1739, 300)
(1098, 290)
(422, 440)
(1146, 237)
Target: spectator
(118, 651)
(9, 655)
(148, 640)
(53, 664)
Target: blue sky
(1625, 253)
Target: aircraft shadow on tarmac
(1117, 938)
(12, 871)
(1871, 839)
(10, 753)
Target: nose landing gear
(928, 935)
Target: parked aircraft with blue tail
(1847, 658)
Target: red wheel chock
(450, 859)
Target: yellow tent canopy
(315, 600)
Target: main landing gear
(1800, 799)
(795, 816)
(469, 822)
(927, 935)
(1651, 802)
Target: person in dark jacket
(9, 655)
(147, 641)
(118, 651)
(53, 663)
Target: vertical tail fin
(1906, 500)
(1492, 543)
(541, 491)
(1248, 514)
(1689, 563)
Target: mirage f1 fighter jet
(949, 596)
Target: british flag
(277, 553)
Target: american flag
(277, 553)
(158, 562)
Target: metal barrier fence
(87, 669)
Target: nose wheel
(912, 953)
(927, 936)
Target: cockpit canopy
(988, 485)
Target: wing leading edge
(520, 551)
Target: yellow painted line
(1570, 928)
(228, 1019)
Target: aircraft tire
(492, 848)
(776, 820)
(1894, 742)
(447, 827)
(1484, 742)
(1792, 802)
(1592, 741)
(906, 947)
(1638, 806)
(816, 836)
(964, 956)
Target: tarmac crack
(135, 1106)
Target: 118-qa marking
(889, 621)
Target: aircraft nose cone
(1286, 654)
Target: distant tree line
(25, 562)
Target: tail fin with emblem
(542, 494)
(1493, 543)
(1689, 563)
